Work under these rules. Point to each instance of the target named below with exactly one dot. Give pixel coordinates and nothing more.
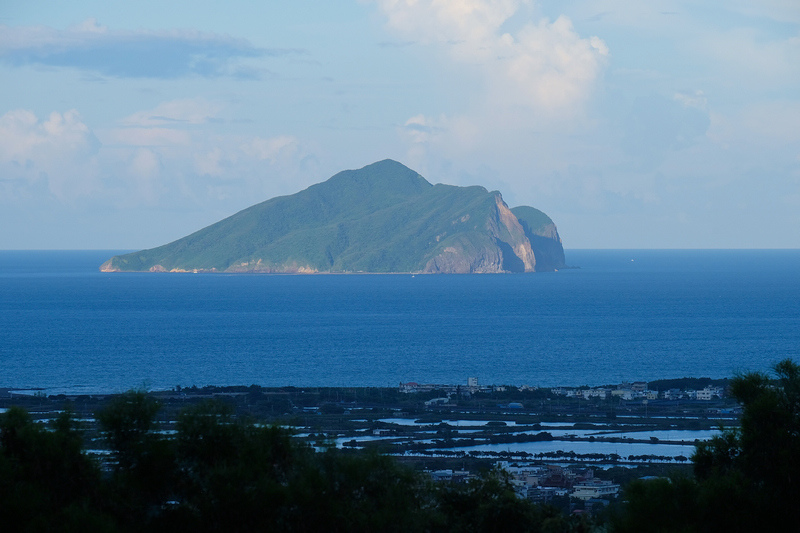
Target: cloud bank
(518, 72)
(170, 54)
(161, 156)
(545, 64)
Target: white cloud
(166, 125)
(696, 99)
(420, 132)
(761, 131)
(210, 163)
(60, 157)
(450, 134)
(24, 137)
(58, 151)
(544, 65)
(550, 64)
(525, 78)
(146, 137)
(459, 22)
(145, 163)
(736, 45)
(270, 149)
(421, 129)
(144, 169)
(749, 60)
(175, 112)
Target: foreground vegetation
(746, 479)
(221, 472)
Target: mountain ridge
(383, 217)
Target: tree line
(745, 478)
(219, 472)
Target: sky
(659, 124)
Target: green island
(382, 218)
(391, 459)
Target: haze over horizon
(666, 124)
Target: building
(413, 387)
(595, 488)
(708, 393)
(596, 393)
(625, 394)
(673, 394)
(458, 476)
(437, 401)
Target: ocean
(624, 315)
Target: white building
(709, 393)
(437, 401)
(596, 393)
(625, 394)
(596, 488)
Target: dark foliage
(219, 472)
(746, 479)
(46, 482)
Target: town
(637, 390)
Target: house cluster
(471, 387)
(638, 390)
(543, 482)
(707, 393)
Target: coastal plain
(443, 423)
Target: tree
(233, 474)
(46, 482)
(220, 472)
(757, 467)
(127, 422)
(489, 504)
(144, 470)
(746, 479)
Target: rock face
(381, 218)
(507, 248)
(543, 236)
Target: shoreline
(87, 390)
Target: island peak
(383, 217)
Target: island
(382, 218)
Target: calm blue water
(624, 315)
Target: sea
(623, 315)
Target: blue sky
(661, 124)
